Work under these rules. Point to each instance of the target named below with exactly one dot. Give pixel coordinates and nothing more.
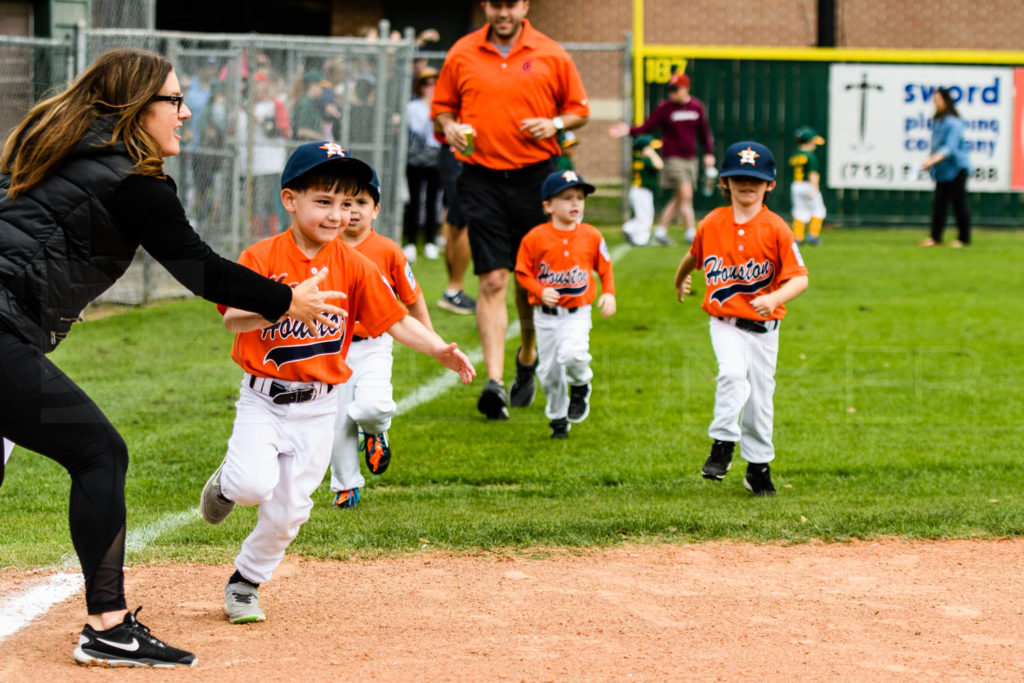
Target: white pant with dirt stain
(277, 456)
(563, 353)
(744, 408)
(365, 400)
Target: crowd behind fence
(255, 97)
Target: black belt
(758, 326)
(356, 337)
(509, 173)
(282, 395)
(553, 310)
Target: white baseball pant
(277, 456)
(365, 400)
(744, 411)
(563, 353)
(807, 201)
(641, 200)
(8, 447)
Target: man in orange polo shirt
(518, 89)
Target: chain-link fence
(254, 98)
(30, 69)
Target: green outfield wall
(765, 94)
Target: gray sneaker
(214, 506)
(242, 604)
(459, 303)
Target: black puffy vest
(59, 247)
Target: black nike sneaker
(128, 644)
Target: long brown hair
(947, 100)
(119, 84)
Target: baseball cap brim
(587, 188)
(748, 173)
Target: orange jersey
(287, 349)
(494, 94)
(565, 260)
(742, 261)
(394, 266)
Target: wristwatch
(558, 123)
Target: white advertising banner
(880, 124)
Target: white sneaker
(691, 233)
(410, 253)
(431, 251)
(242, 604)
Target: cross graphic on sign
(864, 87)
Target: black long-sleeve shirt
(148, 209)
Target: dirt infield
(885, 610)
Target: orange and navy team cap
(748, 158)
(563, 180)
(314, 154)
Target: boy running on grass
(752, 267)
(280, 447)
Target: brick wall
(731, 22)
(959, 24)
(923, 24)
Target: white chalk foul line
(18, 610)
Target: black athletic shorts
(451, 168)
(500, 208)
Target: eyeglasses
(174, 99)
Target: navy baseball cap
(748, 158)
(374, 186)
(313, 154)
(563, 180)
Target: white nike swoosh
(127, 647)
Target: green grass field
(898, 412)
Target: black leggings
(425, 192)
(42, 410)
(954, 191)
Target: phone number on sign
(887, 173)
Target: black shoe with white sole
(759, 479)
(719, 461)
(493, 401)
(128, 644)
(579, 402)
(524, 388)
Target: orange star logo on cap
(747, 156)
(570, 177)
(333, 148)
